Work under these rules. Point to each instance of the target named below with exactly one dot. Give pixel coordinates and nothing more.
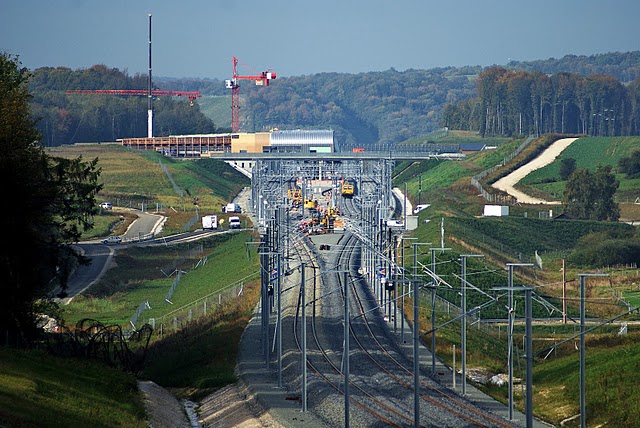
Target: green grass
(140, 278)
(633, 298)
(217, 108)
(40, 390)
(611, 384)
(589, 153)
(203, 357)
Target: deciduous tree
(590, 196)
(49, 202)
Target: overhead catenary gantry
(272, 178)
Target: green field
(589, 153)
(141, 277)
(40, 390)
(210, 343)
(217, 108)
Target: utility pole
(149, 90)
(511, 316)
(463, 344)
(583, 377)
(303, 302)
(346, 349)
(433, 309)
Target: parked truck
(232, 208)
(209, 222)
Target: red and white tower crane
(261, 80)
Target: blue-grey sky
(197, 38)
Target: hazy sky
(197, 38)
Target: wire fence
(179, 318)
(170, 177)
(499, 198)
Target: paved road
(100, 254)
(507, 183)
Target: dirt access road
(507, 182)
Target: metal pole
(395, 287)
(529, 351)
(433, 314)
(433, 310)
(463, 344)
(510, 340)
(416, 365)
(304, 339)
(511, 318)
(346, 350)
(416, 339)
(265, 298)
(583, 380)
(279, 326)
(564, 293)
(403, 278)
(463, 347)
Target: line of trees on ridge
(67, 119)
(511, 102)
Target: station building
(211, 145)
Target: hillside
(391, 106)
(443, 184)
(363, 109)
(588, 153)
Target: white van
(209, 222)
(234, 222)
(232, 208)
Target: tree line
(70, 118)
(511, 102)
(573, 94)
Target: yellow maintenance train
(348, 188)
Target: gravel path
(507, 183)
(164, 409)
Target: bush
(607, 253)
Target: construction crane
(138, 92)
(261, 80)
(149, 93)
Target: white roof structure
(301, 137)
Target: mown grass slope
(589, 153)
(454, 215)
(40, 390)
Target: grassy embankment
(216, 108)
(38, 389)
(446, 187)
(588, 153)
(134, 179)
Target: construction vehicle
(348, 188)
(294, 194)
(311, 204)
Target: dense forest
(575, 94)
(66, 119)
(519, 102)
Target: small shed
(466, 148)
(495, 211)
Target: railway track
(381, 390)
(380, 349)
